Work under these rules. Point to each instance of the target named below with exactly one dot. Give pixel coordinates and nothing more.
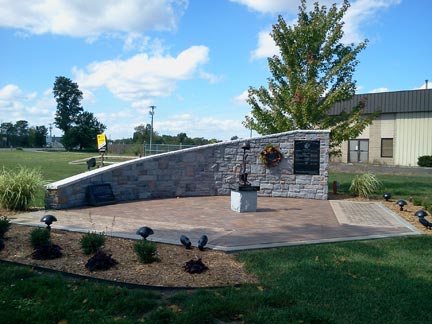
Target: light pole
(151, 112)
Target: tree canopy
(68, 97)
(313, 71)
(79, 126)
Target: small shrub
(43, 248)
(92, 242)
(364, 185)
(39, 237)
(4, 226)
(47, 251)
(425, 161)
(100, 261)
(146, 251)
(18, 187)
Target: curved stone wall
(200, 171)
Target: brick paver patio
(277, 222)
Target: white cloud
(279, 6)
(378, 90)
(266, 46)
(143, 76)
(91, 19)
(211, 78)
(142, 43)
(360, 13)
(15, 105)
(10, 92)
(199, 125)
(426, 85)
(240, 100)
(270, 6)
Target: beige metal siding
(365, 133)
(387, 125)
(413, 137)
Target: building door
(358, 151)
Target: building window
(387, 147)
(358, 151)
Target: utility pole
(151, 112)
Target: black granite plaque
(100, 194)
(306, 157)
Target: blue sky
(193, 59)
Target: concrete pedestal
(244, 201)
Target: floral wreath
(271, 156)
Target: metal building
(399, 136)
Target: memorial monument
(243, 194)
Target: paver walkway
(277, 222)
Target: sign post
(102, 146)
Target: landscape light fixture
(425, 222)
(144, 232)
(401, 204)
(48, 220)
(185, 241)
(202, 242)
(387, 196)
(91, 163)
(421, 213)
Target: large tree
(68, 97)
(79, 127)
(84, 133)
(313, 71)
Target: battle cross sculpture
(243, 174)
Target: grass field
(379, 281)
(376, 281)
(53, 165)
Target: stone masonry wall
(200, 171)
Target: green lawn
(53, 165)
(376, 281)
(408, 187)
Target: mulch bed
(223, 269)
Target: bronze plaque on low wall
(306, 157)
(100, 194)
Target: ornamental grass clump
(18, 187)
(364, 185)
(146, 251)
(92, 242)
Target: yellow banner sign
(101, 142)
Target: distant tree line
(20, 134)
(141, 135)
